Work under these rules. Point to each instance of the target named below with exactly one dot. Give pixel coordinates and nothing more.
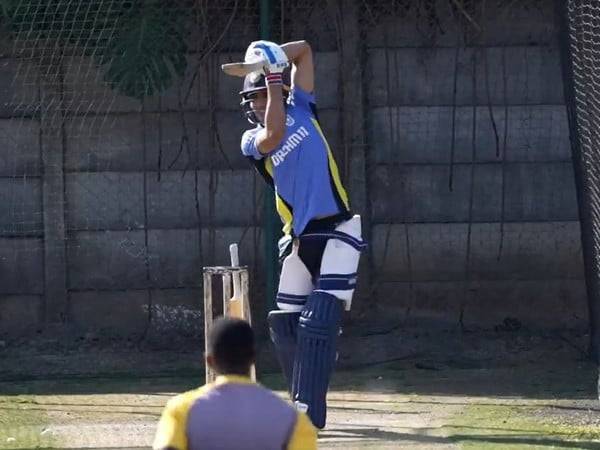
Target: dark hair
(231, 345)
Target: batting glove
(275, 59)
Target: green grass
(504, 426)
(517, 410)
(23, 425)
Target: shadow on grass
(525, 441)
(376, 434)
(67, 408)
(572, 380)
(416, 401)
(96, 448)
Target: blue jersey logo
(290, 144)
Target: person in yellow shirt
(234, 412)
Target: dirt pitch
(407, 404)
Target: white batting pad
(295, 283)
(340, 261)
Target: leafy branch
(139, 45)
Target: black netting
(581, 61)
(121, 173)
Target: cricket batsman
(322, 238)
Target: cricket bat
(236, 306)
(241, 69)
(235, 303)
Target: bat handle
(235, 258)
(235, 262)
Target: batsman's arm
(272, 134)
(303, 73)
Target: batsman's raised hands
(274, 58)
(262, 57)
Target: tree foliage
(139, 44)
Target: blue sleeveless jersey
(302, 169)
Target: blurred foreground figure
(233, 412)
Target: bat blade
(235, 302)
(241, 69)
(235, 308)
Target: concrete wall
(143, 213)
(468, 226)
(471, 226)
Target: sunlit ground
(401, 405)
